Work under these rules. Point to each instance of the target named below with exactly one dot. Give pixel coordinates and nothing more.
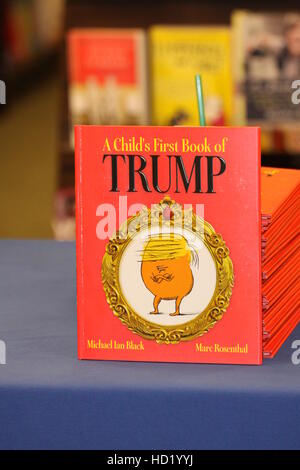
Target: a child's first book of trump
(169, 244)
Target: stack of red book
(280, 255)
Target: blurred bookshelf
(131, 14)
(134, 14)
(30, 44)
(23, 77)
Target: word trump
(177, 175)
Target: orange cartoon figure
(166, 268)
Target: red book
(169, 244)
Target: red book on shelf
(107, 76)
(169, 244)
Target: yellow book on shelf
(177, 54)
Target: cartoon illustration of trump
(166, 268)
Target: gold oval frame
(115, 248)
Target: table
(50, 400)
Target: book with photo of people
(266, 61)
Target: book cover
(266, 61)
(107, 77)
(177, 54)
(168, 264)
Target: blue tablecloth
(49, 399)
